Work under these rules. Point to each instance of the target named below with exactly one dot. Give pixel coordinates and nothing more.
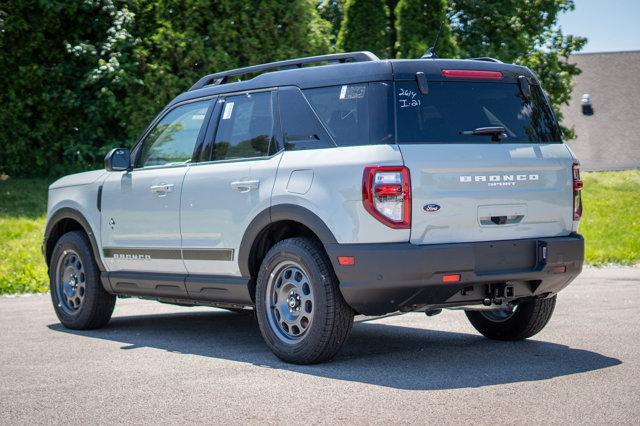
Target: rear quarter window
(300, 125)
(355, 114)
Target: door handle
(162, 188)
(245, 185)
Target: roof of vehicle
(366, 68)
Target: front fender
(53, 223)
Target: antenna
(431, 52)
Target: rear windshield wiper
(495, 132)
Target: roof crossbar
(221, 77)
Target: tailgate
(487, 192)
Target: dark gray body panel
(357, 72)
(404, 276)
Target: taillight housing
(386, 195)
(577, 190)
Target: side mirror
(118, 160)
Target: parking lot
(160, 363)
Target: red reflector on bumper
(346, 260)
(451, 278)
(559, 269)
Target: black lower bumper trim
(402, 276)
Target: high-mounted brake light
(386, 195)
(488, 75)
(577, 189)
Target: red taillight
(386, 194)
(577, 188)
(388, 190)
(488, 75)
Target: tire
(309, 291)
(80, 301)
(528, 319)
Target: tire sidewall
(78, 243)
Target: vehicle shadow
(385, 355)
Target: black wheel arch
(279, 213)
(62, 221)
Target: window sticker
(228, 109)
(198, 117)
(353, 92)
(343, 92)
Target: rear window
(451, 108)
(355, 114)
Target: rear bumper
(401, 276)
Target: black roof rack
(221, 77)
(487, 59)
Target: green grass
(610, 225)
(23, 205)
(611, 219)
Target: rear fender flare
(278, 213)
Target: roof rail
(487, 59)
(221, 77)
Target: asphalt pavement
(158, 363)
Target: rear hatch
(512, 179)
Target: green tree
(79, 77)
(417, 23)
(91, 75)
(181, 44)
(47, 111)
(523, 32)
(393, 34)
(332, 11)
(365, 27)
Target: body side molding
(142, 253)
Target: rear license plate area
(503, 256)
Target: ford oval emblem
(431, 208)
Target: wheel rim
(289, 302)
(499, 315)
(70, 282)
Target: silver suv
(311, 194)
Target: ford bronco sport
(311, 194)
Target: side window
(245, 127)
(300, 126)
(355, 114)
(173, 139)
